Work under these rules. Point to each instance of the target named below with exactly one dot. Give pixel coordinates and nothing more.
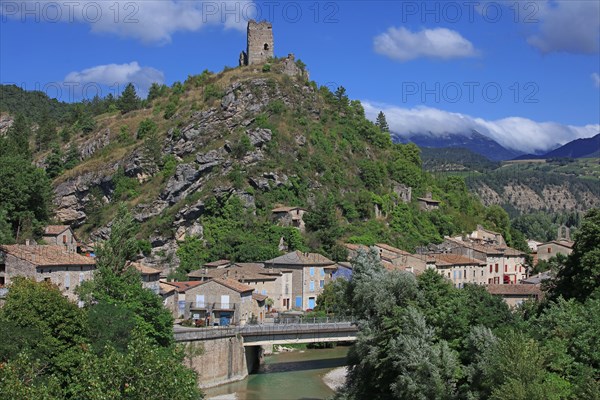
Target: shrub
(146, 128)
(266, 68)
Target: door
(299, 301)
(225, 301)
(225, 319)
(311, 303)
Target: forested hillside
(202, 163)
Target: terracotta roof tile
(183, 286)
(144, 269)
(514, 290)
(217, 263)
(54, 230)
(259, 297)
(234, 285)
(300, 258)
(448, 260)
(47, 255)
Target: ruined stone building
(260, 43)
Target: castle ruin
(260, 43)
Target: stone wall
(223, 361)
(260, 42)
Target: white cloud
(567, 26)
(403, 45)
(118, 74)
(150, 21)
(596, 79)
(514, 132)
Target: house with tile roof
(55, 264)
(458, 268)
(505, 265)
(60, 235)
(271, 282)
(150, 276)
(289, 216)
(310, 273)
(392, 258)
(515, 295)
(218, 301)
(548, 250)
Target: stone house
(170, 297)
(218, 301)
(427, 203)
(486, 236)
(401, 259)
(289, 216)
(274, 283)
(55, 264)
(310, 273)
(150, 276)
(514, 295)
(458, 269)
(505, 265)
(60, 235)
(548, 250)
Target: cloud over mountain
(513, 132)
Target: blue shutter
(299, 301)
(312, 271)
(312, 286)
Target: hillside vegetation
(202, 163)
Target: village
(224, 292)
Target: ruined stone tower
(260, 43)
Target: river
(286, 376)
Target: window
(81, 277)
(266, 46)
(299, 301)
(312, 286)
(505, 268)
(549, 249)
(496, 267)
(67, 280)
(491, 268)
(321, 283)
(312, 271)
(322, 271)
(65, 239)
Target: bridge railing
(311, 320)
(325, 325)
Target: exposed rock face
(72, 196)
(91, 146)
(201, 141)
(290, 67)
(6, 121)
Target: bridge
(223, 354)
(280, 332)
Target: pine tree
(381, 122)
(17, 140)
(129, 99)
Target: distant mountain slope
(455, 159)
(474, 141)
(33, 105)
(578, 148)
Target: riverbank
(336, 378)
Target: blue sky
(526, 74)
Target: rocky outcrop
(72, 196)
(258, 137)
(6, 121)
(91, 146)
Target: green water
(287, 376)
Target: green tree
(17, 139)
(333, 298)
(381, 122)
(580, 278)
(129, 100)
(322, 220)
(116, 282)
(54, 161)
(25, 193)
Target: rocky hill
(202, 164)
